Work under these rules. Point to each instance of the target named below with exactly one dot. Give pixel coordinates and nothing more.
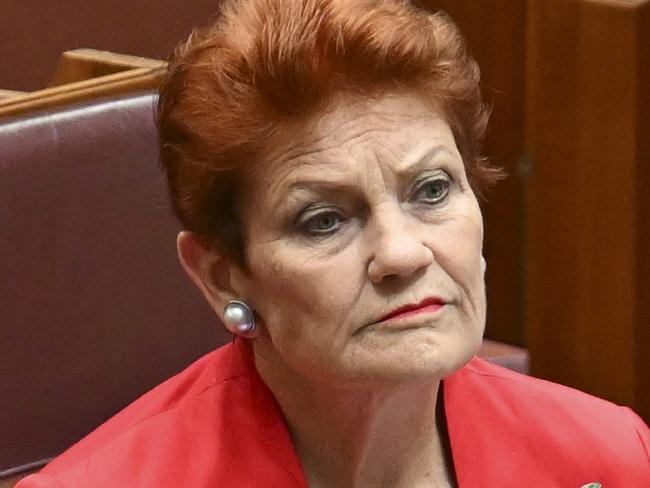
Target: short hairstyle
(264, 63)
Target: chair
(95, 307)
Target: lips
(432, 304)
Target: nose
(398, 250)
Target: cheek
(301, 298)
(457, 246)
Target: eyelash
(445, 180)
(306, 225)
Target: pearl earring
(483, 264)
(238, 318)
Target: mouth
(428, 305)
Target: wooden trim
(131, 80)
(83, 64)
(10, 94)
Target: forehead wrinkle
(345, 139)
(341, 161)
(333, 141)
(344, 161)
(334, 123)
(416, 155)
(379, 156)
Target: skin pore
(363, 210)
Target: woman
(323, 157)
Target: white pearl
(238, 318)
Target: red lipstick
(427, 305)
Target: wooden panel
(495, 32)
(585, 134)
(642, 332)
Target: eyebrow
(420, 161)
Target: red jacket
(217, 425)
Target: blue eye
(322, 223)
(433, 191)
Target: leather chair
(95, 308)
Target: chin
(413, 355)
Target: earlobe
(214, 275)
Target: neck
(361, 435)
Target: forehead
(352, 132)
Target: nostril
(391, 277)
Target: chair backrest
(94, 307)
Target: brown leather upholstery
(511, 357)
(94, 306)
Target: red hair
(262, 64)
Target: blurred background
(568, 232)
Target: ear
(209, 271)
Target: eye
(321, 223)
(433, 191)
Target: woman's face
(362, 212)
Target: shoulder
(169, 399)
(214, 424)
(528, 395)
(164, 424)
(483, 375)
(554, 423)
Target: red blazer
(217, 425)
